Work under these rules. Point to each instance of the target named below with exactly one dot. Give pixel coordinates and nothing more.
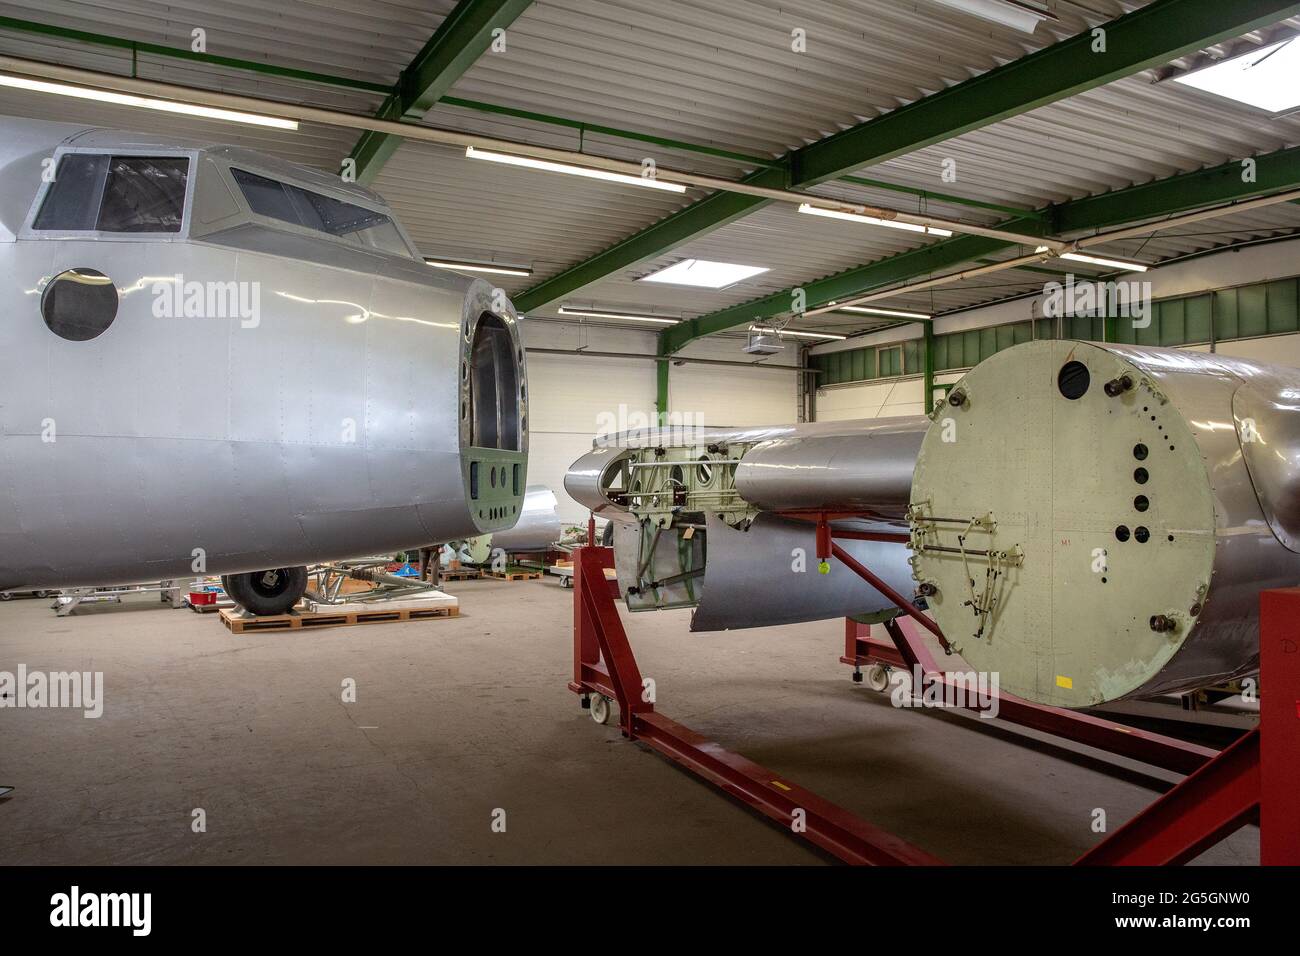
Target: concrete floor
(456, 718)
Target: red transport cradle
(1255, 780)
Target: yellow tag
(1064, 682)
(778, 783)
(688, 534)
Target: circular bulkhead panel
(1063, 516)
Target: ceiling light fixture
(480, 267)
(798, 335)
(872, 220)
(625, 316)
(1098, 260)
(1016, 14)
(475, 153)
(704, 274)
(1267, 78)
(895, 313)
(145, 102)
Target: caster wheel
(600, 708)
(878, 677)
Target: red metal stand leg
(1213, 802)
(1279, 727)
(1256, 779)
(603, 663)
(907, 650)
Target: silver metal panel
(538, 526)
(867, 470)
(750, 577)
(1248, 557)
(1269, 427)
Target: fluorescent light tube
(1099, 260)
(475, 153)
(143, 102)
(704, 274)
(626, 316)
(895, 313)
(1010, 13)
(798, 335)
(872, 220)
(480, 267)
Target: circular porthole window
(79, 304)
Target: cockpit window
(301, 207)
(116, 194)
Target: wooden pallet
(210, 608)
(514, 575)
(303, 619)
(460, 574)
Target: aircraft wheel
(267, 592)
(878, 677)
(6, 596)
(600, 708)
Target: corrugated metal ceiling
(712, 72)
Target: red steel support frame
(1255, 779)
(906, 650)
(603, 663)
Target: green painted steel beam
(1274, 172)
(928, 381)
(455, 46)
(1152, 35)
(661, 391)
(1149, 36)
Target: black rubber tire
(607, 535)
(262, 595)
(225, 584)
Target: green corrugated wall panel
(1243, 312)
(890, 362)
(1173, 329)
(1252, 310)
(941, 360)
(859, 369)
(1225, 314)
(1197, 318)
(1150, 335)
(988, 342)
(1282, 306)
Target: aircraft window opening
(79, 304)
(302, 207)
(494, 382)
(99, 192)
